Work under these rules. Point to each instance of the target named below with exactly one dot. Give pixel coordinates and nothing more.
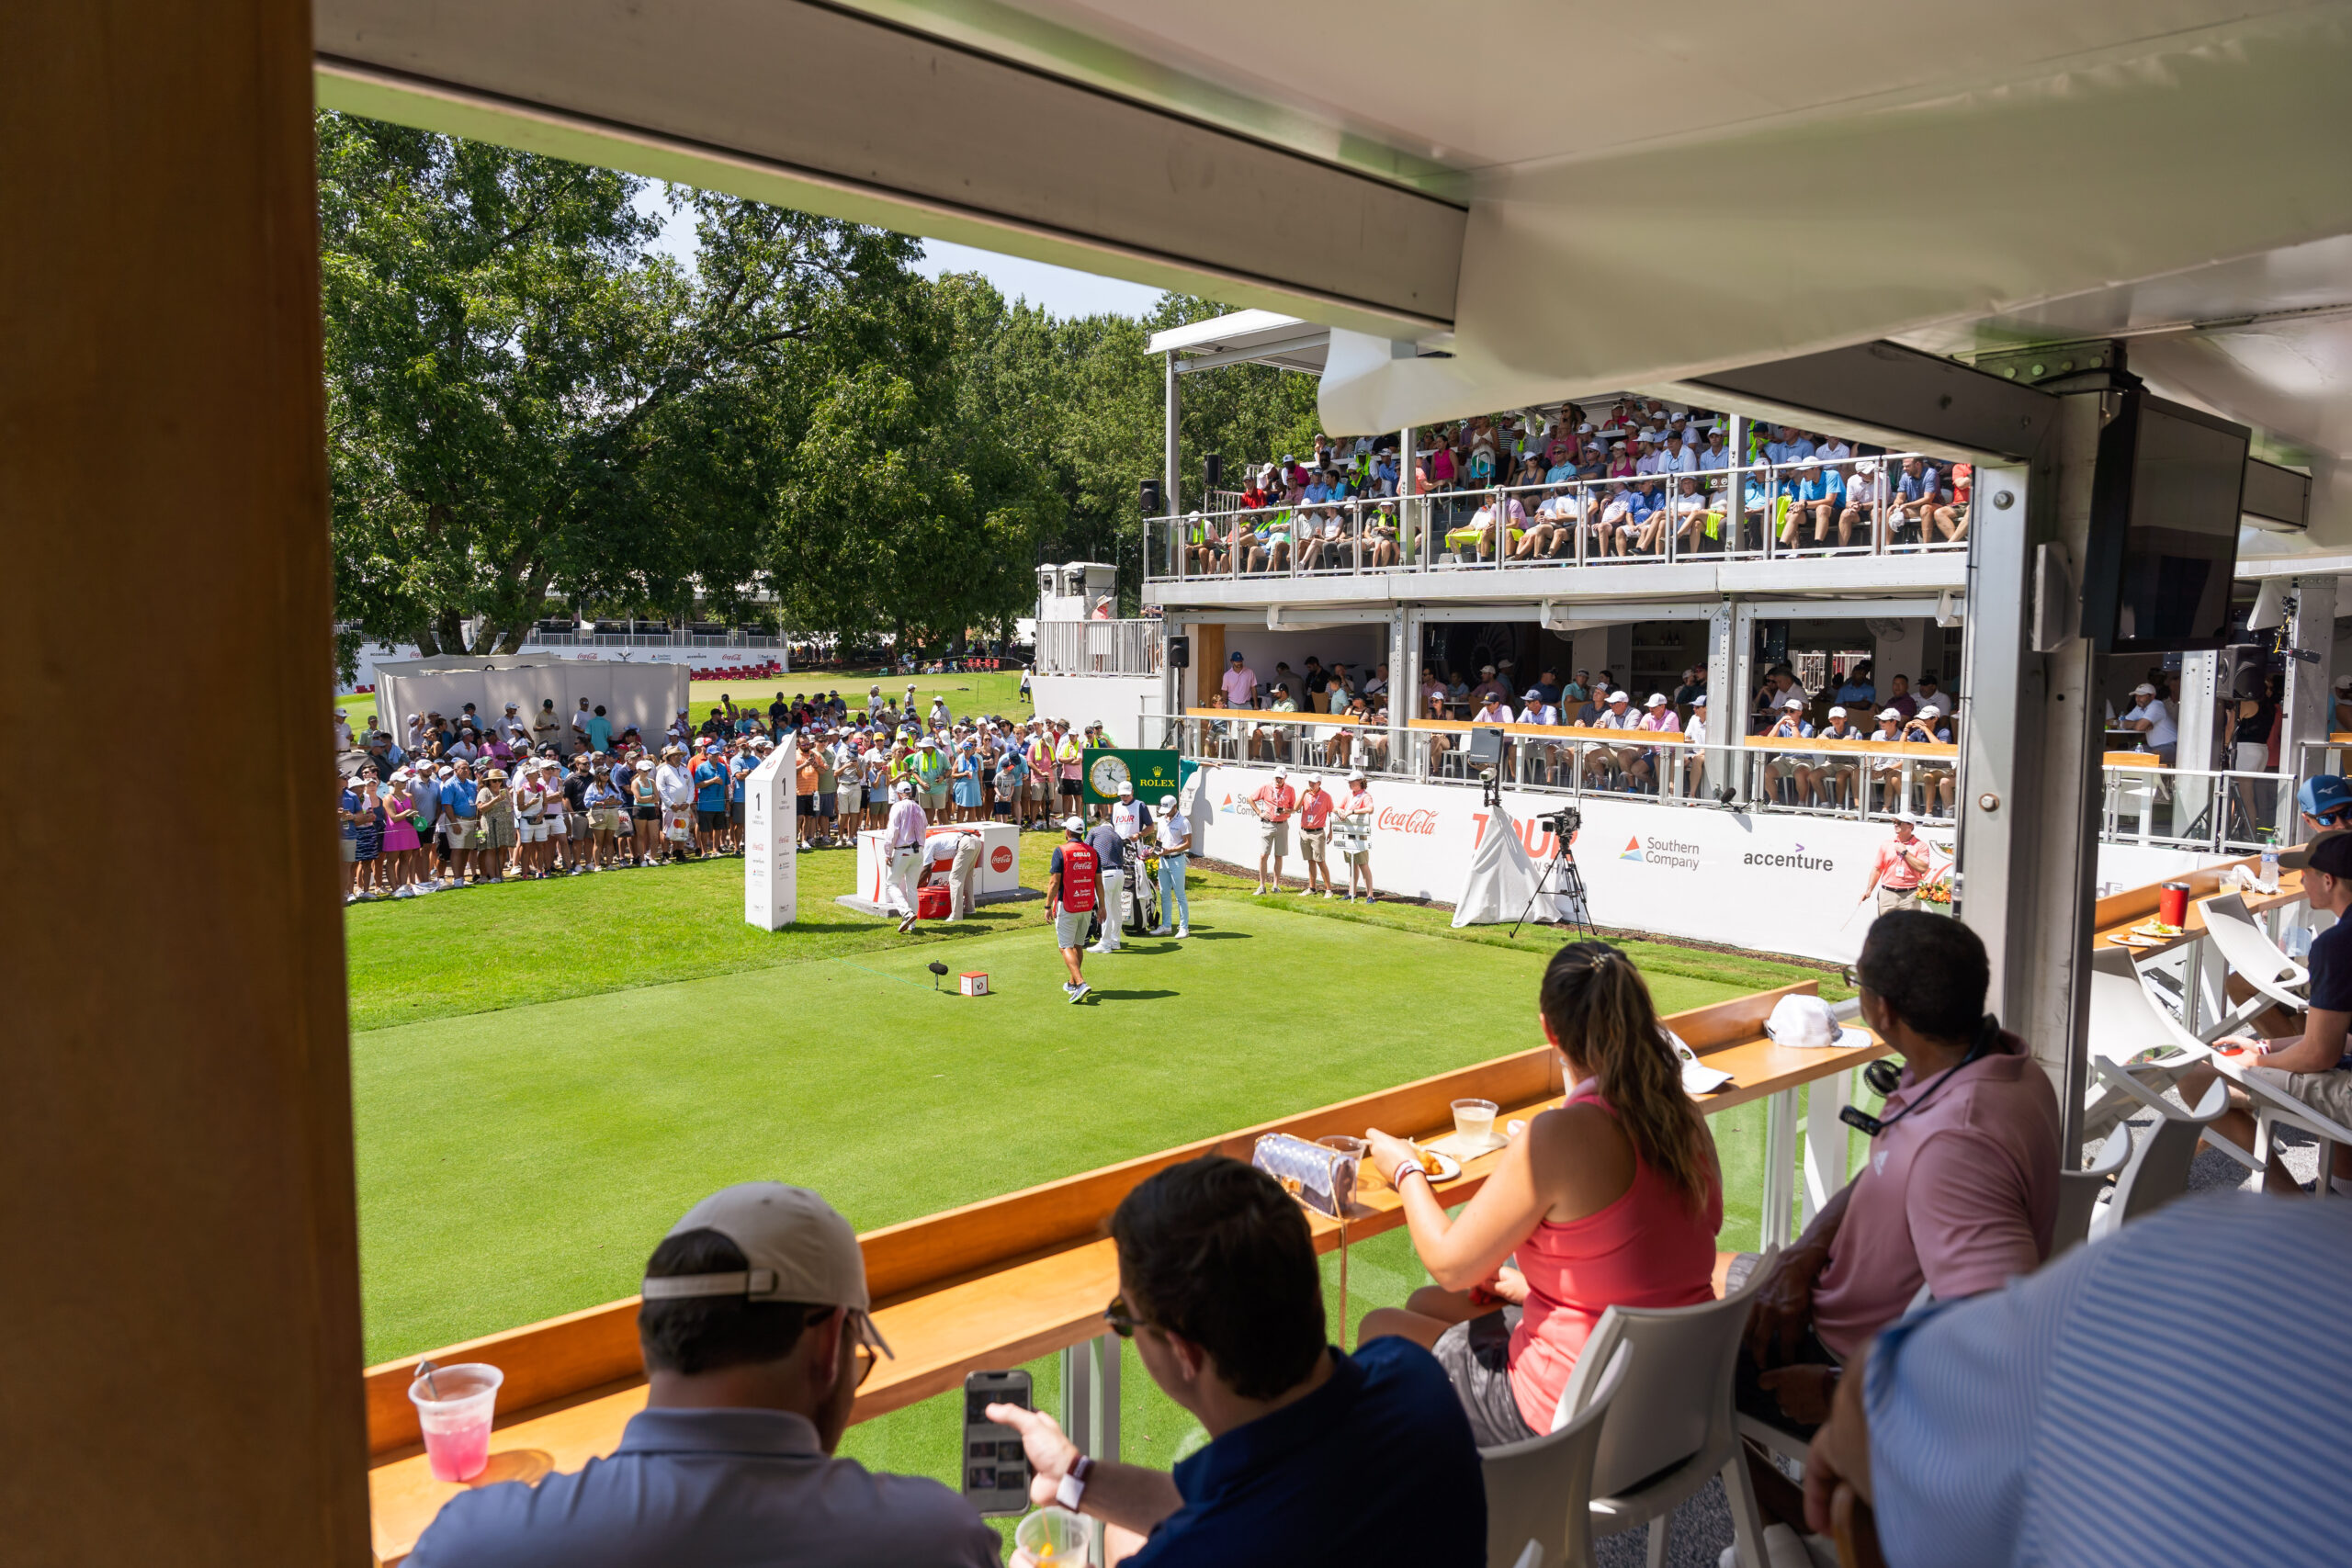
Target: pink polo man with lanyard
(1274, 803)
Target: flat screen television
(2166, 500)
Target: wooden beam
(178, 1260)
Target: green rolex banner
(1154, 773)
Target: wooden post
(178, 1260)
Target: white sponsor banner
(1766, 882)
(771, 883)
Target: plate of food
(1439, 1168)
(2158, 930)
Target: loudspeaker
(1179, 654)
(1149, 493)
(1212, 469)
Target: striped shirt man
(2171, 1393)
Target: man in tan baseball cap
(756, 1330)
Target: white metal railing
(1101, 648)
(2218, 811)
(1813, 509)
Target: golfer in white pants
(959, 875)
(1108, 849)
(908, 827)
(1175, 852)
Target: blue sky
(1058, 290)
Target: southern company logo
(1675, 855)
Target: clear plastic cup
(454, 1407)
(1054, 1537)
(1474, 1123)
(1347, 1145)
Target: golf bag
(1142, 911)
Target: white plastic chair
(2254, 957)
(1674, 1425)
(1540, 1491)
(2080, 1190)
(2158, 1170)
(2125, 1022)
(2273, 1106)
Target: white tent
(646, 696)
(1503, 880)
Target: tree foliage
(527, 403)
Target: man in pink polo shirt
(1961, 1190)
(1240, 684)
(1274, 805)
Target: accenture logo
(1796, 860)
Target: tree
(521, 398)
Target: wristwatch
(1073, 1486)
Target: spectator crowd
(456, 800)
(1538, 484)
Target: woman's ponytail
(1600, 1010)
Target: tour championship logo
(1674, 854)
(1796, 860)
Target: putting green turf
(558, 1070)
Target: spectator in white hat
(1900, 867)
(1925, 726)
(2154, 721)
(1828, 776)
(1628, 762)
(756, 1331)
(1784, 766)
(1694, 755)
(1886, 770)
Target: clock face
(1107, 773)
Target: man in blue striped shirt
(2151, 1398)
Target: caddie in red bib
(1073, 893)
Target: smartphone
(996, 1470)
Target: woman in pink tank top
(1613, 1198)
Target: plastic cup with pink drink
(454, 1406)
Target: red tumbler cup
(2172, 903)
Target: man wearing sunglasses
(757, 1333)
(1314, 1456)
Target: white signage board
(771, 887)
(1768, 882)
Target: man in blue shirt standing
(710, 802)
(1314, 1455)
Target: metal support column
(1773, 1223)
(2311, 709)
(1408, 528)
(2027, 823)
(1404, 688)
(2198, 723)
(1727, 683)
(1091, 1403)
(1826, 1148)
(1170, 486)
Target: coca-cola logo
(1393, 821)
(1002, 859)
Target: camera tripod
(1561, 869)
